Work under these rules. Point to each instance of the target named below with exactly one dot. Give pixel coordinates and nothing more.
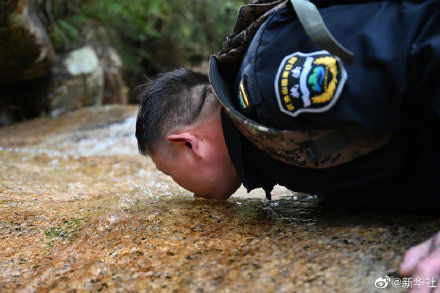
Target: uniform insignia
(309, 82)
(243, 97)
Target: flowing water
(81, 210)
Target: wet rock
(25, 49)
(76, 217)
(78, 80)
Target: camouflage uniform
(250, 18)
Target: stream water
(81, 210)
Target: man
(179, 126)
(289, 112)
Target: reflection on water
(288, 208)
(80, 209)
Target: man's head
(179, 126)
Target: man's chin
(216, 197)
(219, 196)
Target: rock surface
(82, 211)
(25, 49)
(78, 80)
(115, 89)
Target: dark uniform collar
(234, 144)
(247, 159)
(233, 137)
(243, 154)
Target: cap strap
(317, 31)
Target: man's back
(390, 88)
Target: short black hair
(173, 99)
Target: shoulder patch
(309, 82)
(243, 97)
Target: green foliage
(150, 35)
(64, 34)
(136, 20)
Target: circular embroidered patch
(309, 82)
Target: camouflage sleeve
(250, 18)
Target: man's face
(200, 162)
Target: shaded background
(60, 55)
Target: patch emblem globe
(309, 82)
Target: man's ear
(189, 140)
